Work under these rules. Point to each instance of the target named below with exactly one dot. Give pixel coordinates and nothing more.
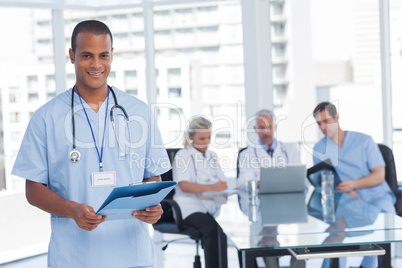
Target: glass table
(292, 224)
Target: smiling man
(72, 158)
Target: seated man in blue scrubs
(72, 156)
(357, 160)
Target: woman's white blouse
(190, 165)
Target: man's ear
(336, 117)
(112, 56)
(71, 53)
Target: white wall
(25, 230)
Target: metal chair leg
(197, 260)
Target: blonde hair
(196, 123)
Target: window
(32, 83)
(16, 136)
(175, 92)
(396, 83)
(28, 67)
(33, 97)
(50, 83)
(130, 78)
(15, 117)
(14, 95)
(338, 44)
(199, 47)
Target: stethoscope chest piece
(74, 156)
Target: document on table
(123, 201)
(225, 192)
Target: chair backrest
(237, 163)
(168, 176)
(170, 208)
(390, 170)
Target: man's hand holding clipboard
(135, 201)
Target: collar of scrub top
(100, 154)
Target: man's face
(327, 123)
(92, 60)
(265, 128)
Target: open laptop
(287, 179)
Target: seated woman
(196, 169)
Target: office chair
(390, 176)
(171, 221)
(238, 196)
(237, 162)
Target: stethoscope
(209, 159)
(75, 155)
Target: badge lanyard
(100, 155)
(75, 155)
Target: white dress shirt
(254, 157)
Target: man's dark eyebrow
(89, 53)
(86, 52)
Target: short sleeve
(32, 161)
(374, 156)
(316, 154)
(183, 167)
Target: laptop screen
(285, 179)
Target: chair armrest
(398, 192)
(398, 204)
(176, 213)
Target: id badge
(103, 179)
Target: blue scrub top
(44, 158)
(354, 160)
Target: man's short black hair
(90, 26)
(325, 106)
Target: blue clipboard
(123, 201)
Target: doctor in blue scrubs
(357, 160)
(73, 155)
